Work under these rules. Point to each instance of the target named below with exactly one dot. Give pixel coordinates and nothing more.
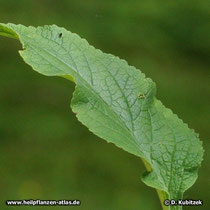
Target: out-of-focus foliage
(166, 40)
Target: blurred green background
(46, 153)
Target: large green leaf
(117, 103)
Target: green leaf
(117, 103)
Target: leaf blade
(116, 102)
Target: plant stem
(161, 194)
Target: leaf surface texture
(117, 103)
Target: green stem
(5, 31)
(161, 194)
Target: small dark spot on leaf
(141, 96)
(60, 35)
